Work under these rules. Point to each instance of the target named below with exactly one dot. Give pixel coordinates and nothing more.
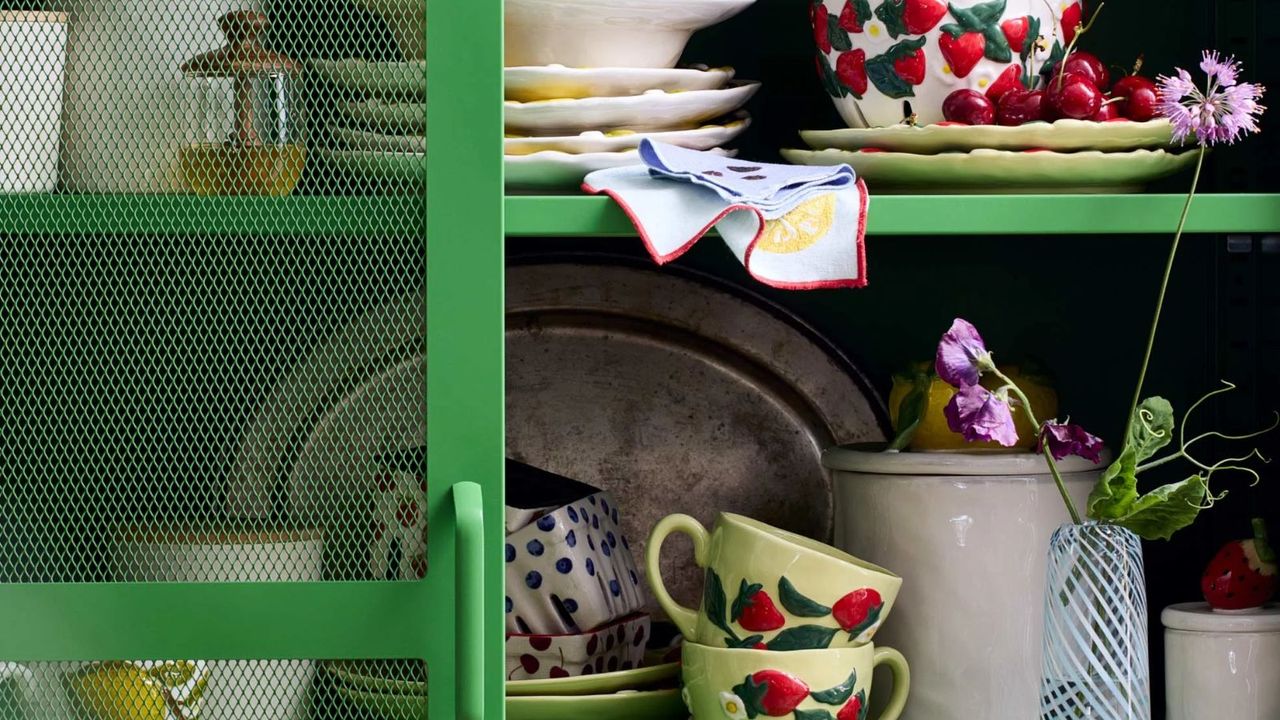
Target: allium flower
(1065, 439)
(981, 415)
(962, 356)
(1224, 112)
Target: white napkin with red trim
(792, 227)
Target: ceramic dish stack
(1038, 157)
(586, 82)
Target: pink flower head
(962, 356)
(981, 415)
(1065, 439)
(1223, 113)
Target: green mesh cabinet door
(230, 488)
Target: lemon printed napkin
(792, 227)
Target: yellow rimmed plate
(708, 136)
(552, 82)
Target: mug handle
(684, 618)
(901, 680)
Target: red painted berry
(969, 107)
(962, 53)
(849, 17)
(1010, 79)
(772, 692)
(759, 614)
(911, 67)
(1140, 97)
(859, 611)
(1015, 31)
(818, 17)
(855, 709)
(851, 70)
(1243, 573)
(920, 16)
(1070, 19)
(1020, 106)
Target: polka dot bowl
(617, 646)
(571, 570)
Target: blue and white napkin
(792, 227)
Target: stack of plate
(385, 690)
(586, 82)
(380, 125)
(1039, 157)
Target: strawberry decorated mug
(771, 589)
(833, 684)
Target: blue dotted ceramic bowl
(571, 570)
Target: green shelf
(578, 215)
(188, 214)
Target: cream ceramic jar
(881, 54)
(1221, 665)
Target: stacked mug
(785, 624)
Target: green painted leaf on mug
(886, 79)
(740, 603)
(837, 35)
(803, 637)
(838, 694)
(749, 641)
(796, 603)
(873, 617)
(713, 601)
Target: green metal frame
(453, 618)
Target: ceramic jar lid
(870, 458)
(243, 54)
(1199, 617)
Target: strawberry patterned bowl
(608, 33)
(571, 570)
(619, 645)
(882, 61)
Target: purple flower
(962, 356)
(980, 415)
(1065, 439)
(1223, 113)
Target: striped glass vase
(1095, 626)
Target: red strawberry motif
(859, 611)
(962, 53)
(818, 16)
(911, 67)
(1070, 19)
(1243, 573)
(851, 70)
(855, 709)
(759, 614)
(849, 17)
(1015, 31)
(920, 16)
(1010, 79)
(771, 692)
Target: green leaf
(1115, 491)
(838, 694)
(1151, 428)
(746, 642)
(881, 73)
(813, 715)
(904, 48)
(830, 82)
(954, 30)
(741, 602)
(1033, 34)
(997, 46)
(1051, 63)
(890, 13)
(1160, 513)
(977, 18)
(862, 11)
(713, 601)
(873, 617)
(803, 637)
(836, 34)
(752, 695)
(796, 603)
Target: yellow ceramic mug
(834, 684)
(767, 588)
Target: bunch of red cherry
(1080, 89)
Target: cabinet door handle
(470, 601)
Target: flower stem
(1164, 287)
(1044, 448)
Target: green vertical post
(465, 436)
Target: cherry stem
(1164, 287)
(1080, 30)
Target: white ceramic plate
(376, 165)
(654, 110)
(390, 80)
(1003, 171)
(365, 140)
(552, 82)
(551, 169)
(391, 118)
(1062, 135)
(700, 138)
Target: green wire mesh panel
(214, 690)
(199, 405)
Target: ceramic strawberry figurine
(1243, 573)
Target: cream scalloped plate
(364, 140)
(390, 80)
(652, 110)
(392, 118)
(553, 82)
(551, 169)
(1003, 171)
(699, 138)
(1061, 135)
(597, 684)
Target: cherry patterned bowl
(617, 646)
(881, 60)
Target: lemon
(125, 691)
(933, 433)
